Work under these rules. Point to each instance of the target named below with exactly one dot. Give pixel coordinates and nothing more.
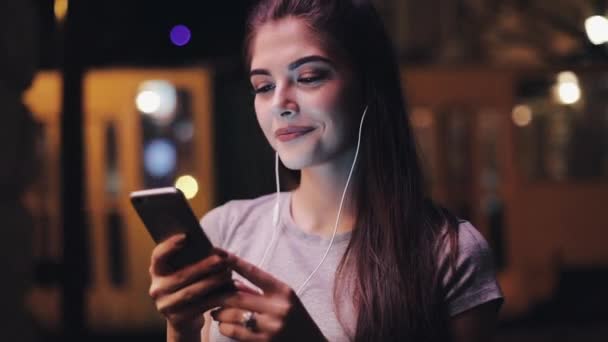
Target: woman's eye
(312, 78)
(263, 89)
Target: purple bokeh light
(180, 35)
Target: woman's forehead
(278, 43)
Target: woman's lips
(291, 132)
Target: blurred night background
(508, 99)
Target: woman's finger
(240, 333)
(162, 253)
(263, 323)
(187, 275)
(257, 276)
(195, 293)
(256, 303)
(243, 287)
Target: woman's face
(304, 101)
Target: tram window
(116, 248)
(491, 201)
(112, 174)
(423, 123)
(444, 136)
(450, 138)
(40, 199)
(167, 141)
(114, 221)
(456, 131)
(561, 124)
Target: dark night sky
(130, 32)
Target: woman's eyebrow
(295, 64)
(308, 59)
(259, 72)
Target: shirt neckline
(292, 228)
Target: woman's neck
(315, 203)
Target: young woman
(356, 251)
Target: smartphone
(166, 212)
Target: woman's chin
(294, 164)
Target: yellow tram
(475, 127)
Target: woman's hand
(183, 295)
(278, 314)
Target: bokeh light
(61, 9)
(597, 29)
(567, 89)
(184, 131)
(568, 93)
(180, 35)
(188, 185)
(522, 115)
(567, 77)
(422, 117)
(160, 157)
(158, 99)
(148, 101)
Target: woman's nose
(284, 102)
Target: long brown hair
(393, 249)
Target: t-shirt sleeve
(213, 223)
(472, 281)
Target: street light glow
(597, 29)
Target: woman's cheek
(265, 123)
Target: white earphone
(275, 212)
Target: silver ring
(249, 321)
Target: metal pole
(75, 230)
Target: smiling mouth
(289, 134)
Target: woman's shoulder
(470, 239)
(240, 206)
(468, 274)
(220, 221)
(465, 243)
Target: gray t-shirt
(245, 227)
